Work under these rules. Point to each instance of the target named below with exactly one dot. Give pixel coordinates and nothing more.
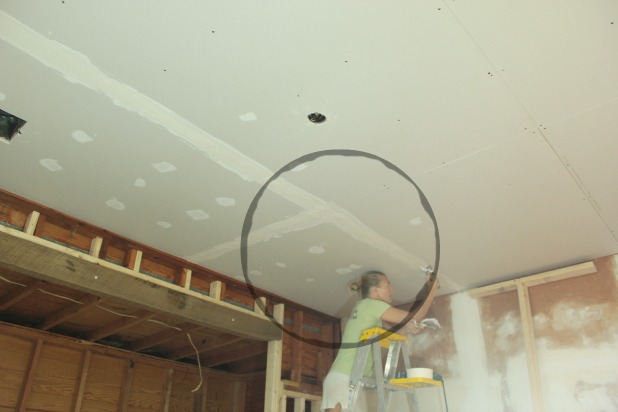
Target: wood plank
(79, 396)
(167, 390)
(68, 312)
(233, 355)
(273, 366)
(133, 260)
(95, 246)
(125, 386)
(211, 344)
(299, 404)
(19, 293)
(164, 336)
(531, 356)
(297, 348)
(532, 280)
(215, 290)
(185, 278)
(64, 266)
(119, 324)
(22, 402)
(31, 222)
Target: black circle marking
(421, 297)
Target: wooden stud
(69, 311)
(299, 404)
(259, 304)
(533, 280)
(530, 344)
(283, 403)
(31, 222)
(22, 401)
(215, 290)
(273, 366)
(64, 266)
(239, 396)
(185, 278)
(297, 348)
(235, 355)
(163, 336)
(119, 324)
(125, 386)
(167, 390)
(133, 259)
(77, 402)
(210, 345)
(19, 294)
(95, 246)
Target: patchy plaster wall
(481, 353)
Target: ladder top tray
(414, 382)
(386, 341)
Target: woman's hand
(413, 327)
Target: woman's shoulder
(372, 303)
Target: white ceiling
(145, 117)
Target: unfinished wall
(483, 357)
(45, 372)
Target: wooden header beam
(533, 280)
(48, 261)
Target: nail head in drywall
(115, 204)
(139, 182)
(164, 225)
(226, 201)
(197, 214)
(248, 117)
(50, 164)
(316, 117)
(81, 136)
(164, 167)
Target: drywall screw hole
(316, 117)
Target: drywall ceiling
(162, 121)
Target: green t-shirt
(366, 314)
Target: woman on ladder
(373, 308)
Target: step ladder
(385, 381)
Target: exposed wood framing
(233, 355)
(95, 246)
(134, 259)
(55, 263)
(297, 348)
(31, 222)
(522, 285)
(125, 386)
(167, 390)
(163, 336)
(273, 367)
(119, 324)
(185, 278)
(215, 290)
(531, 357)
(69, 311)
(545, 277)
(77, 402)
(19, 294)
(27, 384)
(211, 344)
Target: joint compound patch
(50, 164)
